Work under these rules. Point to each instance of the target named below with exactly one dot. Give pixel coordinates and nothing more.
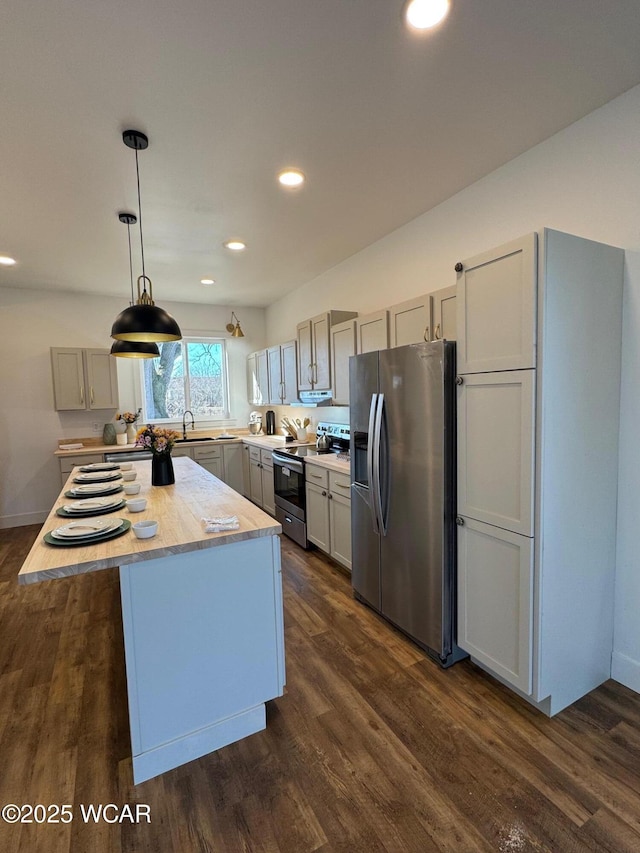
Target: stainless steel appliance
(289, 478)
(270, 418)
(403, 490)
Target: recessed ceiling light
(291, 178)
(424, 14)
(235, 245)
(6, 261)
(207, 281)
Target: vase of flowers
(129, 419)
(160, 442)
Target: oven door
(288, 485)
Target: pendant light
(234, 329)
(132, 349)
(145, 321)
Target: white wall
(31, 321)
(584, 180)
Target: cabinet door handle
(324, 494)
(459, 380)
(82, 394)
(426, 334)
(436, 334)
(92, 395)
(459, 521)
(329, 495)
(310, 374)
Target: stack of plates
(97, 477)
(100, 466)
(87, 532)
(91, 506)
(93, 490)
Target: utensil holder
(302, 434)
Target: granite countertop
(179, 509)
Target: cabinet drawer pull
(341, 486)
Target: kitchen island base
(204, 649)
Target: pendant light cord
(140, 217)
(130, 262)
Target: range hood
(314, 398)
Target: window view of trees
(188, 375)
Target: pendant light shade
(143, 322)
(134, 349)
(130, 349)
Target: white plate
(91, 504)
(101, 466)
(99, 475)
(86, 527)
(95, 487)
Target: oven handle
(287, 462)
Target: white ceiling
(385, 124)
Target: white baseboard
(626, 670)
(22, 520)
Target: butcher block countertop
(330, 461)
(178, 509)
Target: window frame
(192, 339)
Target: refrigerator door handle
(377, 485)
(370, 465)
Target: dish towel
(215, 525)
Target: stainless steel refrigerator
(403, 475)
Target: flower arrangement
(129, 417)
(156, 439)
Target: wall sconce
(234, 329)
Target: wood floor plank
(372, 748)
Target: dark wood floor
(372, 748)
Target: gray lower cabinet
(329, 512)
(261, 479)
(68, 463)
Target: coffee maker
(270, 422)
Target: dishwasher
(130, 456)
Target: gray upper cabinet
(496, 309)
(343, 346)
(314, 350)
(444, 313)
(373, 332)
(84, 379)
(411, 322)
(282, 370)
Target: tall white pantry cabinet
(539, 348)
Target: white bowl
(129, 475)
(126, 466)
(131, 488)
(136, 504)
(145, 529)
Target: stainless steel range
(289, 478)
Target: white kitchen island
(202, 615)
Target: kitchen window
(190, 374)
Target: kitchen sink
(185, 440)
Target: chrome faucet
(184, 423)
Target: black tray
(89, 512)
(85, 495)
(89, 540)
